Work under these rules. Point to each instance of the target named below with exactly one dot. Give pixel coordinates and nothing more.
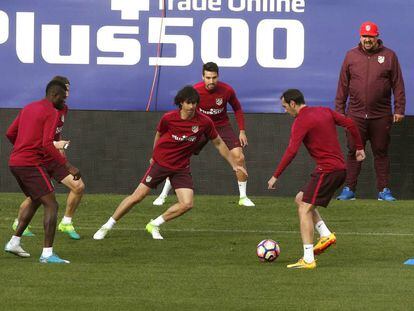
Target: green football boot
(69, 230)
(154, 231)
(26, 231)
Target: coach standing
(369, 73)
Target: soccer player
(61, 175)
(214, 96)
(177, 135)
(316, 128)
(31, 134)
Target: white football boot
(16, 250)
(246, 202)
(154, 230)
(101, 233)
(160, 200)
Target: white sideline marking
(239, 231)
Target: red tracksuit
(368, 80)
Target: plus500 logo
(129, 48)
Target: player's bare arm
(271, 183)
(225, 153)
(243, 138)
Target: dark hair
(295, 95)
(55, 86)
(62, 79)
(186, 94)
(210, 66)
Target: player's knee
(240, 159)
(135, 198)
(187, 205)
(51, 206)
(79, 187)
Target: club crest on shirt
(148, 179)
(219, 101)
(194, 128)
(381, 59)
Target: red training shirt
(32, 134)
(58, 133)
(179, 138)
(316, 127)
(214, 103)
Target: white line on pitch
(245, 231)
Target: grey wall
(112, 150)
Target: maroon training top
(316, 127)
(368, 79)
(179, 138)
(32, 134)
(214, 103)
(58, 134)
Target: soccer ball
(268, 250)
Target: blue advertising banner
(136, 54)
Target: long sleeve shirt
(32, 134)
(213, 103)
(316, 128)
(368, 80)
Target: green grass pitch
(207, 259)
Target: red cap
(369, 29)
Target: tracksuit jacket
(368, 78)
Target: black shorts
(322, 186)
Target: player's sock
(158, 221)
(242, 188)
(110, 223)
(66, 220)
(308, 253)
(167, 188)
(47, 252)
(15, 240)
(322, 229)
